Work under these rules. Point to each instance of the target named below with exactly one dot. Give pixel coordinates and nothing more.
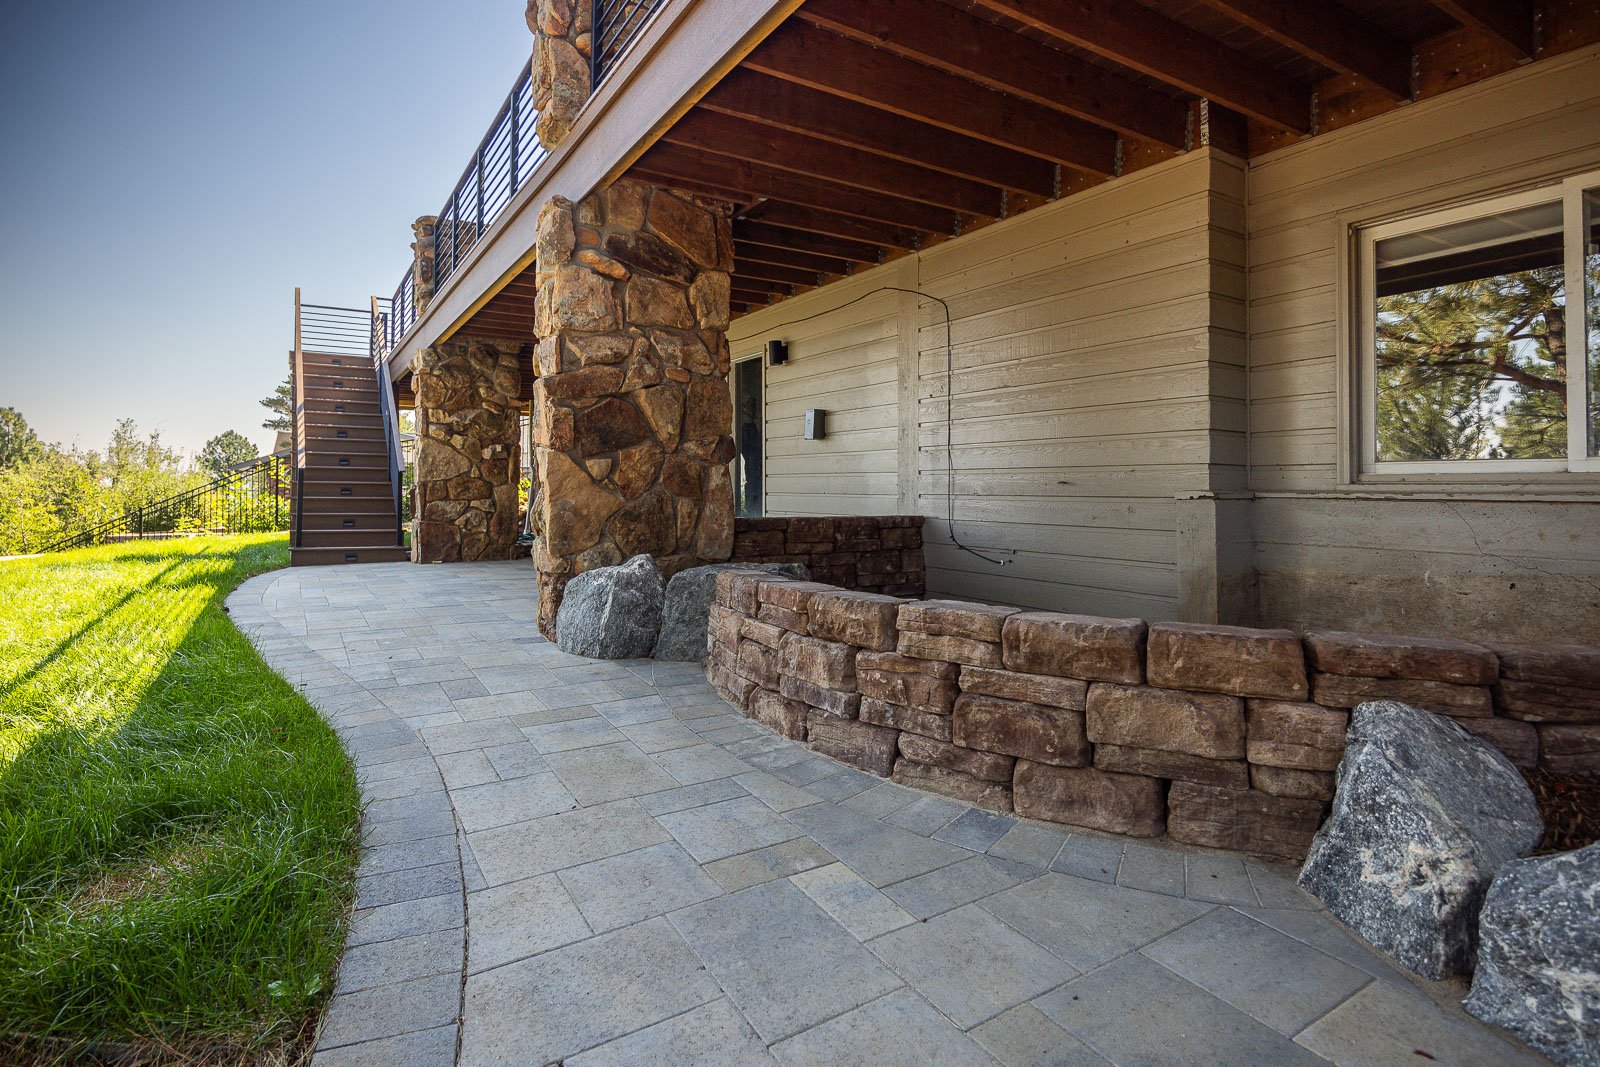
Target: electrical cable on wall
(949, 403)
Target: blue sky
(171, 169)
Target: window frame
(1568, 193)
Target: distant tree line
(48, 491)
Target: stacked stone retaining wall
(1218, 736)
(867, 553)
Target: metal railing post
(516, 138)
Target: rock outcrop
(1424, 816)
(688, 606)
(612, 612)
(1539, 955)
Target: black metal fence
(253, 498)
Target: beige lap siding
(1516, 556)
(1098, 376)
(1214, 735)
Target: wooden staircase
(345, 500)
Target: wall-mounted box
(816, 424)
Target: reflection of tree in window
(1471, 342)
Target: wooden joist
(780, 149)
(745, 252)
(741, 179)
(748, 94)
(753, 232)
(974, 48)
(832, 224)
(799, 52)
(761, 287)
(1330, 34)
(745, 269)
(1508, 23)
(1141, 39)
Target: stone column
(468, 452)
(561, 46)
(632, 417)
(422, 260)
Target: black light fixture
(777, 353)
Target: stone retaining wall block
(995, 796)
(866, 620)
(1034, 688)
(1434, 659)
(955, 618)
(910, 719)
(1282, 733)
(1443, 698)
(931, 752)
(1036, 732)
(1128, 804)
(871, 748)
(1178, 766)
(1226, 659)
(1199, 724)
(1075, 646)
(779, 714)
(1245, 820)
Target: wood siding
(1098, 357)
(1463, 556)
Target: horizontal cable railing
(616, 24)
(252, 498)
(402, 311)
(506, 156)
(335, 331)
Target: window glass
(1591, 302)
(748, 428)
(1471, 343)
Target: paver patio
(602, 863)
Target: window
(749, 418)
(1480, 337)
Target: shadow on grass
(83, 631)
(182, 878)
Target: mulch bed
(1570, 805)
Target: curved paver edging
(571, 828)
(398, 993)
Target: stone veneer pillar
(422, 250)
(468, 457)
(632, 417)
(561, 44)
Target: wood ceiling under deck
(857, 132)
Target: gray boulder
(612, 612)
(688, 606)
(1539, 955)
(1424, 814)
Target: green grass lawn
(177, 826)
